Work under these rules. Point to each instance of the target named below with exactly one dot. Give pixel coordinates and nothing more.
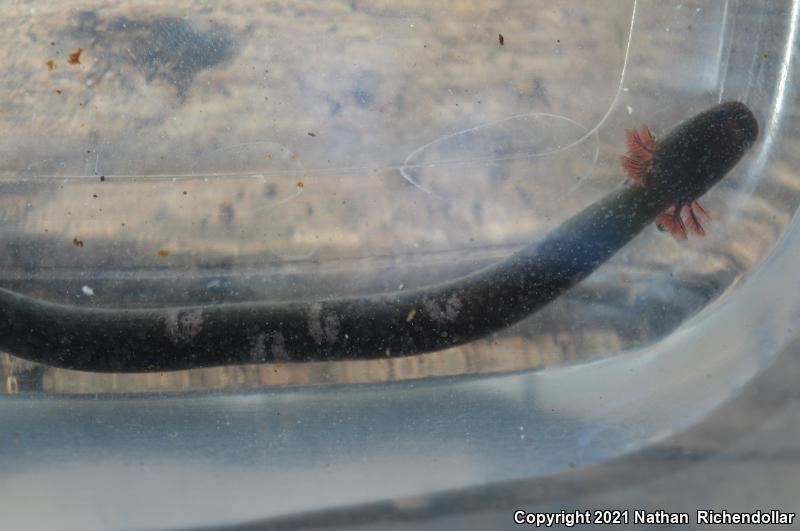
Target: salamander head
(695, 155)
(735, 124)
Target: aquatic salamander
(672, 174)
(639, 165)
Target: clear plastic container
(162, 155)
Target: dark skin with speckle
(687, 162)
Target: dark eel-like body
(686, 163)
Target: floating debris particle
(77, 242)
(75, 57)
(411, 314)
(501, 39)
(87, 291)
